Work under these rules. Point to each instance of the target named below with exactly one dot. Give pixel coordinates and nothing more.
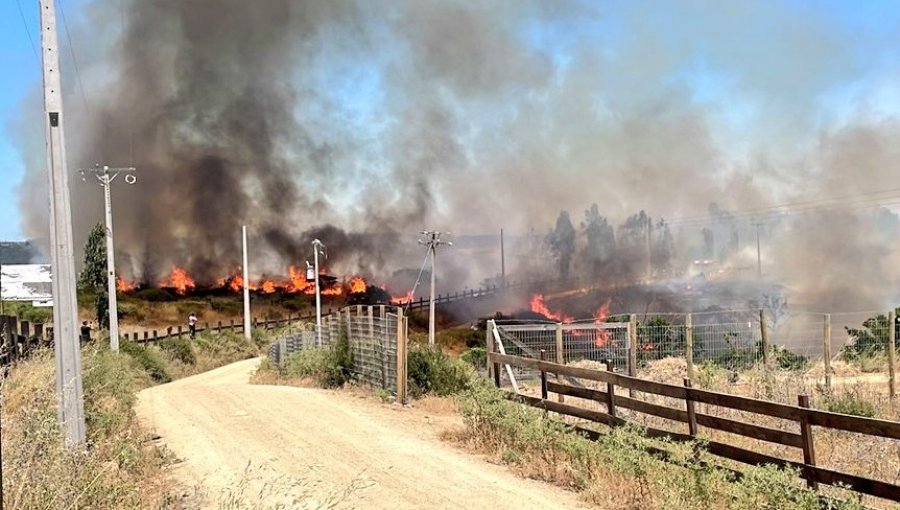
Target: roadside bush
(180, 349)
(338, 368)
(149, 360)
(432, 371)
(850, 402)
(476, 356)
(330, 367)
(307, 363)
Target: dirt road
(309, 448)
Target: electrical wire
(62, 10)
(28, 32)
(412, 293)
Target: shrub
(307, 363)
(149, 360)
(850, 402)
(180, 349)
(432, 371)
(788, 360)
(476, 356)
(338, 367)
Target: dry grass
(119, 470)
(852, 453)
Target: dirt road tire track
(220, 424)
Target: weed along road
(311, 448)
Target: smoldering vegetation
(363, 122)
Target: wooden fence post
(632, 349)
(826, 350)
(689, 344)
(892, 332)
(146, 334)
(493, 368)
(689, 405)
(180, 333)
(806, 437)
(543, 377)
(232, 325)
(560, 354)
(764, 336)
(610, 393)
(401, 357)
(156, 337)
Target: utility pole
(246, 281)
(318, 246)
(432, 240)
(65, 305)
(758, 255)
(106, 176)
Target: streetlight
(432, 240)
(106, 176)
(317, 247)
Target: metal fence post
(826, 350)
(689, 344)
(764, 336)
(892, 332)
(401, 357)
(632, 349)
(560, 354)
(543, 377)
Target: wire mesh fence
(810, 343)
(371, 333)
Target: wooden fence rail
(801, 414)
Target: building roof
(25, 282)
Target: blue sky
(868, 30)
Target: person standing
(85, 332)
(192, 324)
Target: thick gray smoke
(363, 122)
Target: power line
(62, 10)
(28, 32)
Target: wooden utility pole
(65, 305)
(502, 261)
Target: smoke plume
(362, 122)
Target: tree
(601, 241)
(93, 275)
(562, 243)
(871, 339)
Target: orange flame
(179, 280)
(123, 286)
(357, 285)
(538, 306)
(268, 287)
(599, 318)
(334, 291)
(298, 282)
(402, 300)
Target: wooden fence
(804, 417)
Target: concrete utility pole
(318, 246)
(246, 281)
(432, 240)
(65, 305)
(106, 176)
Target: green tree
(93, 275)
(869, 340)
